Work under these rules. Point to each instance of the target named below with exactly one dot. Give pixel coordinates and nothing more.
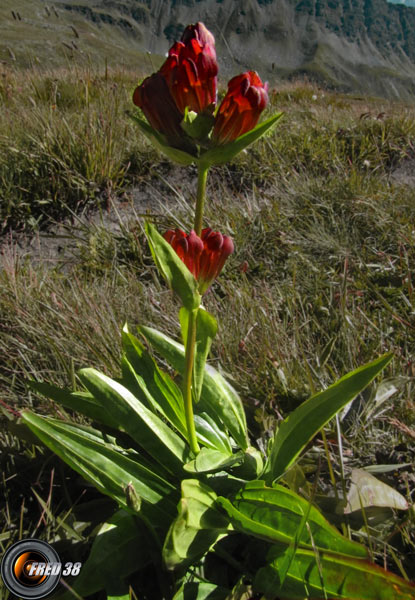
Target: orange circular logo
(31, 569)
(24, 571)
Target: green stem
(200, 200)
(191, 331)
(187, 383)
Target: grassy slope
(50, 38)
(324, 244)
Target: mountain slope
(367, 46)
(404, 2)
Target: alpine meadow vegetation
(213, 398)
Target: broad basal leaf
(82, 402)
(208, 461)
(108, 470)
(322, 575)
(306, 421)
(201, 590)
(120, 548)
(209, 434)
(275, 514)
(145, 428)
(252, 465)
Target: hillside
(361, 46)
(405, 2)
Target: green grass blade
(306, 421)
(145, 428)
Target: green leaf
(82, 402)
(120, 548)
(209, 460)
(218, 398)
(135, 384)
(305, 422)
(201, 590)
(108, 470)
(209, 434)
(149, 383)
(292, 549)
(197, 527)
(158, 140)
(145, 428)
(252, 465)
(275, 515)
(222, 154)
(173, 269)
(329, 576)
(93, 434)
(197, 125)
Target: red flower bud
(154, 99)
(216, 249)
(205, 256)
(191, 69)
(240, 109)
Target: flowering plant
(179, 102)
(196, 498)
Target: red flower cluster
(188, 78)
(204, 256)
